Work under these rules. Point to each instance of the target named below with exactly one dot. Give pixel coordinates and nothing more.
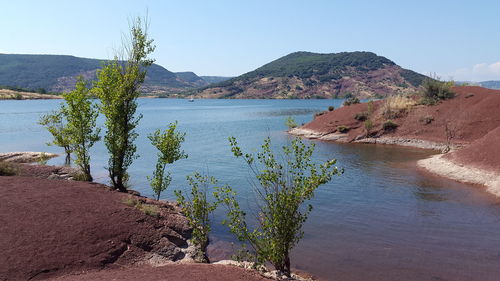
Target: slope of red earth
(473, 113)
(54, 228)
(483, 153)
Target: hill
(57, 73)
(469, 124)
(490, 84)
(312, 75)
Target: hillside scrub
(117, 87)
(284, 184)
(434, 90)
(395, 106)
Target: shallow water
(381, 220)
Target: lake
(383, 219)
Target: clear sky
(455, 39)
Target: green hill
(57, 73)
(215, 79)
(312, 75)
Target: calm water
(382, 220)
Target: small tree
(55, 123)
(81, 115)
(290, 123)
(168, 144)
(197, 209)
(283, 188)
(117, 87)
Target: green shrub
(389, 125)
(148, 209)
(343, 129)
(434, 90)
(168, 143)
(8, 169)
(197, 208)
(284, 184)
(368, 126)
(361, 116)
(351, 101)
(18, 97)
(290, 123)
(331, 108)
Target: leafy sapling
(197, 208)
(168, 144)
(81, 115)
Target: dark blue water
(381, 220)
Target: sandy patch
(440, 166)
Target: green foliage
(42, 160)
(331, 108)
(197, 208)
(389, 125)
(351, 101)
(370, 107)
(18, 97)
(290, 123)
(148, 209)
(368, 126)
(434, 90)
(8, 169)
(343, 129)
(117, 87)
(168, 144)
(56, 124)
(282, 190)
(81, 115)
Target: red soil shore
(473, 114)
(58, 228)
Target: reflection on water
(381, 220)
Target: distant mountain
(57, 73)
(490, 84)
(215, 79)
(312, 75)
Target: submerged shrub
(290, 123)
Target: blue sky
(455, 39)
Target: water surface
(381, 220)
